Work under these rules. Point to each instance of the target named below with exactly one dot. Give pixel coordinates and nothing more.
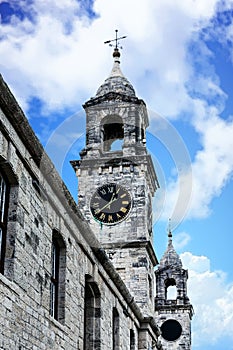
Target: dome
(116, 82)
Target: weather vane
(116, 40)
(169, 228)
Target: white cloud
(60, 58)
(213, 164)
(212, 299)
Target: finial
(116, 51)
(169, 229)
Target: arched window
(112, 129)
(115, 329)
(58, 271)
(4, 201)
(170, 289)
(92, 315)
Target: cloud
(56, 53)
(212, 299)
(213, 164)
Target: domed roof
(116, 82)
(170, 257)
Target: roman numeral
(110, 189)
(95, 205)
(110, 219)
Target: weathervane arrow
(116, 40)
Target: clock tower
(117, 180)
(173, 311)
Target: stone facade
(68, 281)
(39, 209)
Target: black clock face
(110, 204)
(171, 330)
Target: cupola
(116, 82)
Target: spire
(170, 257)
(169, 234)
(116, 82)
(116, 70)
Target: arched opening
(170, 289)
(92, 314)
(112, 130)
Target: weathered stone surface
(171, 273)
(39, 204)
(106, 272)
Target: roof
(170, 257)
(116, 82)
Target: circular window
(171, 330)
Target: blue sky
(179, 57)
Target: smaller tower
(173, 310)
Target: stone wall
(40, 205)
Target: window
(92, 315)
(170, 289)
(57, 285)
(4, 197)
(115, 329)
(132, 340)
(150, 287)
(54, 280)
(112, 133)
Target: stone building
(81, 276)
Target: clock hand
(112, 199)
(109, 203)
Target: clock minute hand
(109, 203)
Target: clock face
(171, 330)
(110, 204)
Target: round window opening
(171, 330)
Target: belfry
(83, 276)
(116, 187)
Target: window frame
(115, 329)
(54, 283)
(4, 206)
(57, 278)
